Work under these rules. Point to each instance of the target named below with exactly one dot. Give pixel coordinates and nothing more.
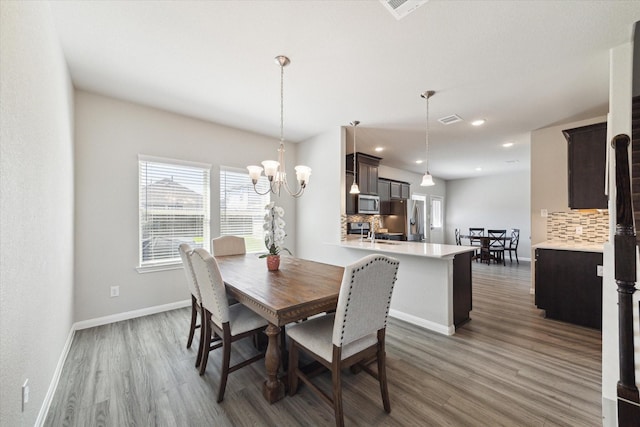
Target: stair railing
(625, 276)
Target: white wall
(36, 196)
(110, 134)
(492, 202)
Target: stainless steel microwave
(368, 204)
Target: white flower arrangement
(274, 230)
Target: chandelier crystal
(275, 171)
(354, 186)
(427, 179)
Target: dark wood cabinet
(405, 191)
(587, 163)
(366, 172)
(568, 287)
(396, 190)
(462, 302)
(384, 192)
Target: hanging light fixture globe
(427, 179)
(276, 171)
(354, 186)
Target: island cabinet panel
(461, 288)
(568, 287)
(586, 169)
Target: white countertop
(430, 250)
(568, 246)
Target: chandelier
(275, 171)
(427, 179)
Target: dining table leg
(273, 388)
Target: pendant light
(354, 186)
(276, 171)
(427, 179)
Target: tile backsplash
(561, 227)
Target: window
(241, 208)
(436, 212)
(174, 207)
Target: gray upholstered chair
(196, 300)
(230, 323)
(228, 245)
(354, 334)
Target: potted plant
(274, 235)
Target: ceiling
(521, 65)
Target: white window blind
(241, 208)
(174, 208)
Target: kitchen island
(434, 281)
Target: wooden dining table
(299, 289)
(485, 242)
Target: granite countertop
(570, 246)
(429, 250)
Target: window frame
(174, 262)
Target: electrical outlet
(115, 291)
(544, 213)
(599, 271)
(25, 393)
(579, 230)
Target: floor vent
(401, 8)
(454, 118)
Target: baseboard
(418, 321)
(48, 398)
(44, 409)
(99, 321)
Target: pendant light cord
(281, 103)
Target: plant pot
(273, 262)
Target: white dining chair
(228, 245)
(230, 323)
(196, 300)
(354, 334)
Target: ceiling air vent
(401, 8)
(454, 118)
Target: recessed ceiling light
(379, 149)
(478, 122)
(418, 161)
(478, 169)
(507, 144)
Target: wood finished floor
(507, 367)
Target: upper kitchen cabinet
(587, 147)
(366, 172)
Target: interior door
(436, 219)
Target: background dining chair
(230, 323)
(513, 244)
(228, 245)
(196, 300)
(355, 333)
(496, 245)
(458, 240)
(476, 232)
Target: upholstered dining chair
(229, 323)
(196, 300)
(513, 244)
(228, 245)
(354, 334)
(496, 244)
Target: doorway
(418, 218)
